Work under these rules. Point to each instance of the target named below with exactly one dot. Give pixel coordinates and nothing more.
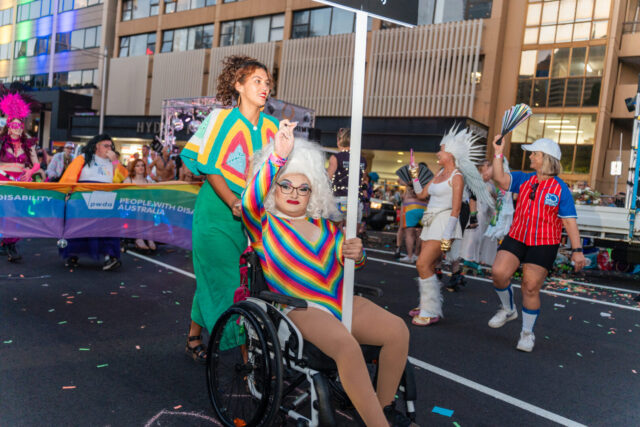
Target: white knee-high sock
(529, 319)
(506, 298)
(430, 297)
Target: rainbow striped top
(292, 265)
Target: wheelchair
(261, 371)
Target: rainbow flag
(160, 212)
(163, 213)
(29, 210)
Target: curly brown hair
(236, 69)
(132, 168)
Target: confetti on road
(84, 349)
(68, 387)
(51, 310)
(634, 371)
(62, 323)
(579, 354)
(7, 342)
(102, 366)
(559, 305)
(137, 347)
(605, 314)
(177, 407)
(442, 411)
(456, 424)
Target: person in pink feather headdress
(18, 158)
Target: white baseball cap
(69, 145)
(545, 145)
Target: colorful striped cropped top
(292, 265)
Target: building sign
(616, 168)
(399, 11)
(148, 127)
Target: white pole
(357, 104)
(615, 182)
(103, 90)
(52, 42)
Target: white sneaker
(414, 258)
(526, 341)
(501, 317)
(406, 258)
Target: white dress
(436, 216)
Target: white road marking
(482, 279)
(167, 266)
(439, 371)
(555, 279)
(184, 414)
(495, 393)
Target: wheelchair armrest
(282, 299)
(371, 291)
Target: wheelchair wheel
(244, 367)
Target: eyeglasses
(287, 188)
(534, 187)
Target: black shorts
(542, 255)
(465, 212)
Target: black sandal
(197, 353)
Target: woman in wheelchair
(286, 210)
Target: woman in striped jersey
(286, 210)
(544, 206)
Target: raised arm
(502, 179)
(253, 198)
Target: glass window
(34, 10)
(567, 131)
(566, 160)
(260, 29)
(563, 33)
(169, 6)
(535, 128)
(74, 78)
(583, 159)
(524, 91)
(87, 77)
(426, 10)
(595, 65)
(599, 29)
(320, 22)
(527, 63)
(533, 13)
(226, 33)
(591, 94)
(588, 129)
(544, 61)
(550, 12)
(342, 21)
(516, 155)
(63, 41)
(581, 31)
(567, 11)
(183, 5)
(552, 123)
(531, 35)
(90, 37)
(547, 34)
(31, 47)
(574, 93)
(180, 39)
(127, 10)
(578, 56)
(301, 17)
(556, 92)
(167, 41)
(77, 39)
(79, 4)
(519, 134)
(584, 9)
(560, 62)
(540, 88)
(601, 10)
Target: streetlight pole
(103, 89)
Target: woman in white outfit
(440, 220)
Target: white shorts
(435, 230)
(286, 309)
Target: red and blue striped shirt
(538, 218)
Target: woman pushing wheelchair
(287, 210)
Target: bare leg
(429, 257)
(409, 240)
(505, 265)
(327, 333)
(532, 280)
(194, 331)
(374, 325)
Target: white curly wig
(308, 159)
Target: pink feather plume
(14, 107)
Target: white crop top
(441, 194)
